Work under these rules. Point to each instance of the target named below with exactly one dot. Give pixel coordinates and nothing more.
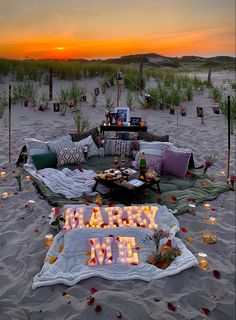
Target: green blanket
(176, 193)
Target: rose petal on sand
(171, 306)
(184, 229)
(93, 290)
(98, 308)
(205, 311)
(216, 274)
(90, 300)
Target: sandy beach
(22, 233)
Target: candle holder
(3, 174)
(202, 260)
(27, 179)
(209, 237)
(207, 206)
(4, 196)
(48, 239)
(212, 220)
(30, 205)
(192, 208)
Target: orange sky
(100, 28)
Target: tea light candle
(192, 208)
(30, 205)
(212, 220)
(202, 260)
(27, 178)
(209, 237)
(4, 195)
(222, 173)
(207, 206)
(3, 174)
(48, 239)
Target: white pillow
(63, 142)
(35, 146)
(92, 148)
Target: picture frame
(56, 107)
(135, 121)
(113, 118)
(123, 114)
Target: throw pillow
(70, 156)
(35, 146)
(45, 160)
(92, 148)
(175, 163)
(116, 147)
(154, 162)
(79, 136)
(63, 142)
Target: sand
(22, 233)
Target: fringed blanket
(67, 259)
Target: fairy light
(134, 213)
(114, 215)
(96, 218)
(101, 253)
(125, 246)
(150, 212)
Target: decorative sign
(110, 217)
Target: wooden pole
(117, 92)
(9, 106)
(50, 84)
(141, 78)
(229, 116)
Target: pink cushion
(175, 163)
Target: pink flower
(55, 212)
(208, 162)
(232, 178)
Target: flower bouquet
(210, 158)
(164, 254)
(232, 180)
(56, 219)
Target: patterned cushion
(92, 148)
(115, 147)
(154, 162)
(63, 142)
(35, 146)
(69, 156)
(79, 136)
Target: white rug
(70, 266)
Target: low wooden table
(131, 128)
(124, 191)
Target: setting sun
(60, 48)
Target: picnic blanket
(69, 183)
(176, 193)
(66, 260)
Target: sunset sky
(110, 28)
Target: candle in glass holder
(192, 208)
(202, 260)
(209, 237)
(4, 195)
(3, 174)
(27, 178)
(207, 206)
(48, 239)
(212, 220)
(30, 205)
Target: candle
(4, 195)
(222, 173)
(3, 174)
(212, 220)
(209, 237)
(30, 205)
(202, 260)
(48, 239)
(192, 208)
(27, 178)
(207, 206)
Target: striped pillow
(69, 156)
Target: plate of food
(110, 174)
